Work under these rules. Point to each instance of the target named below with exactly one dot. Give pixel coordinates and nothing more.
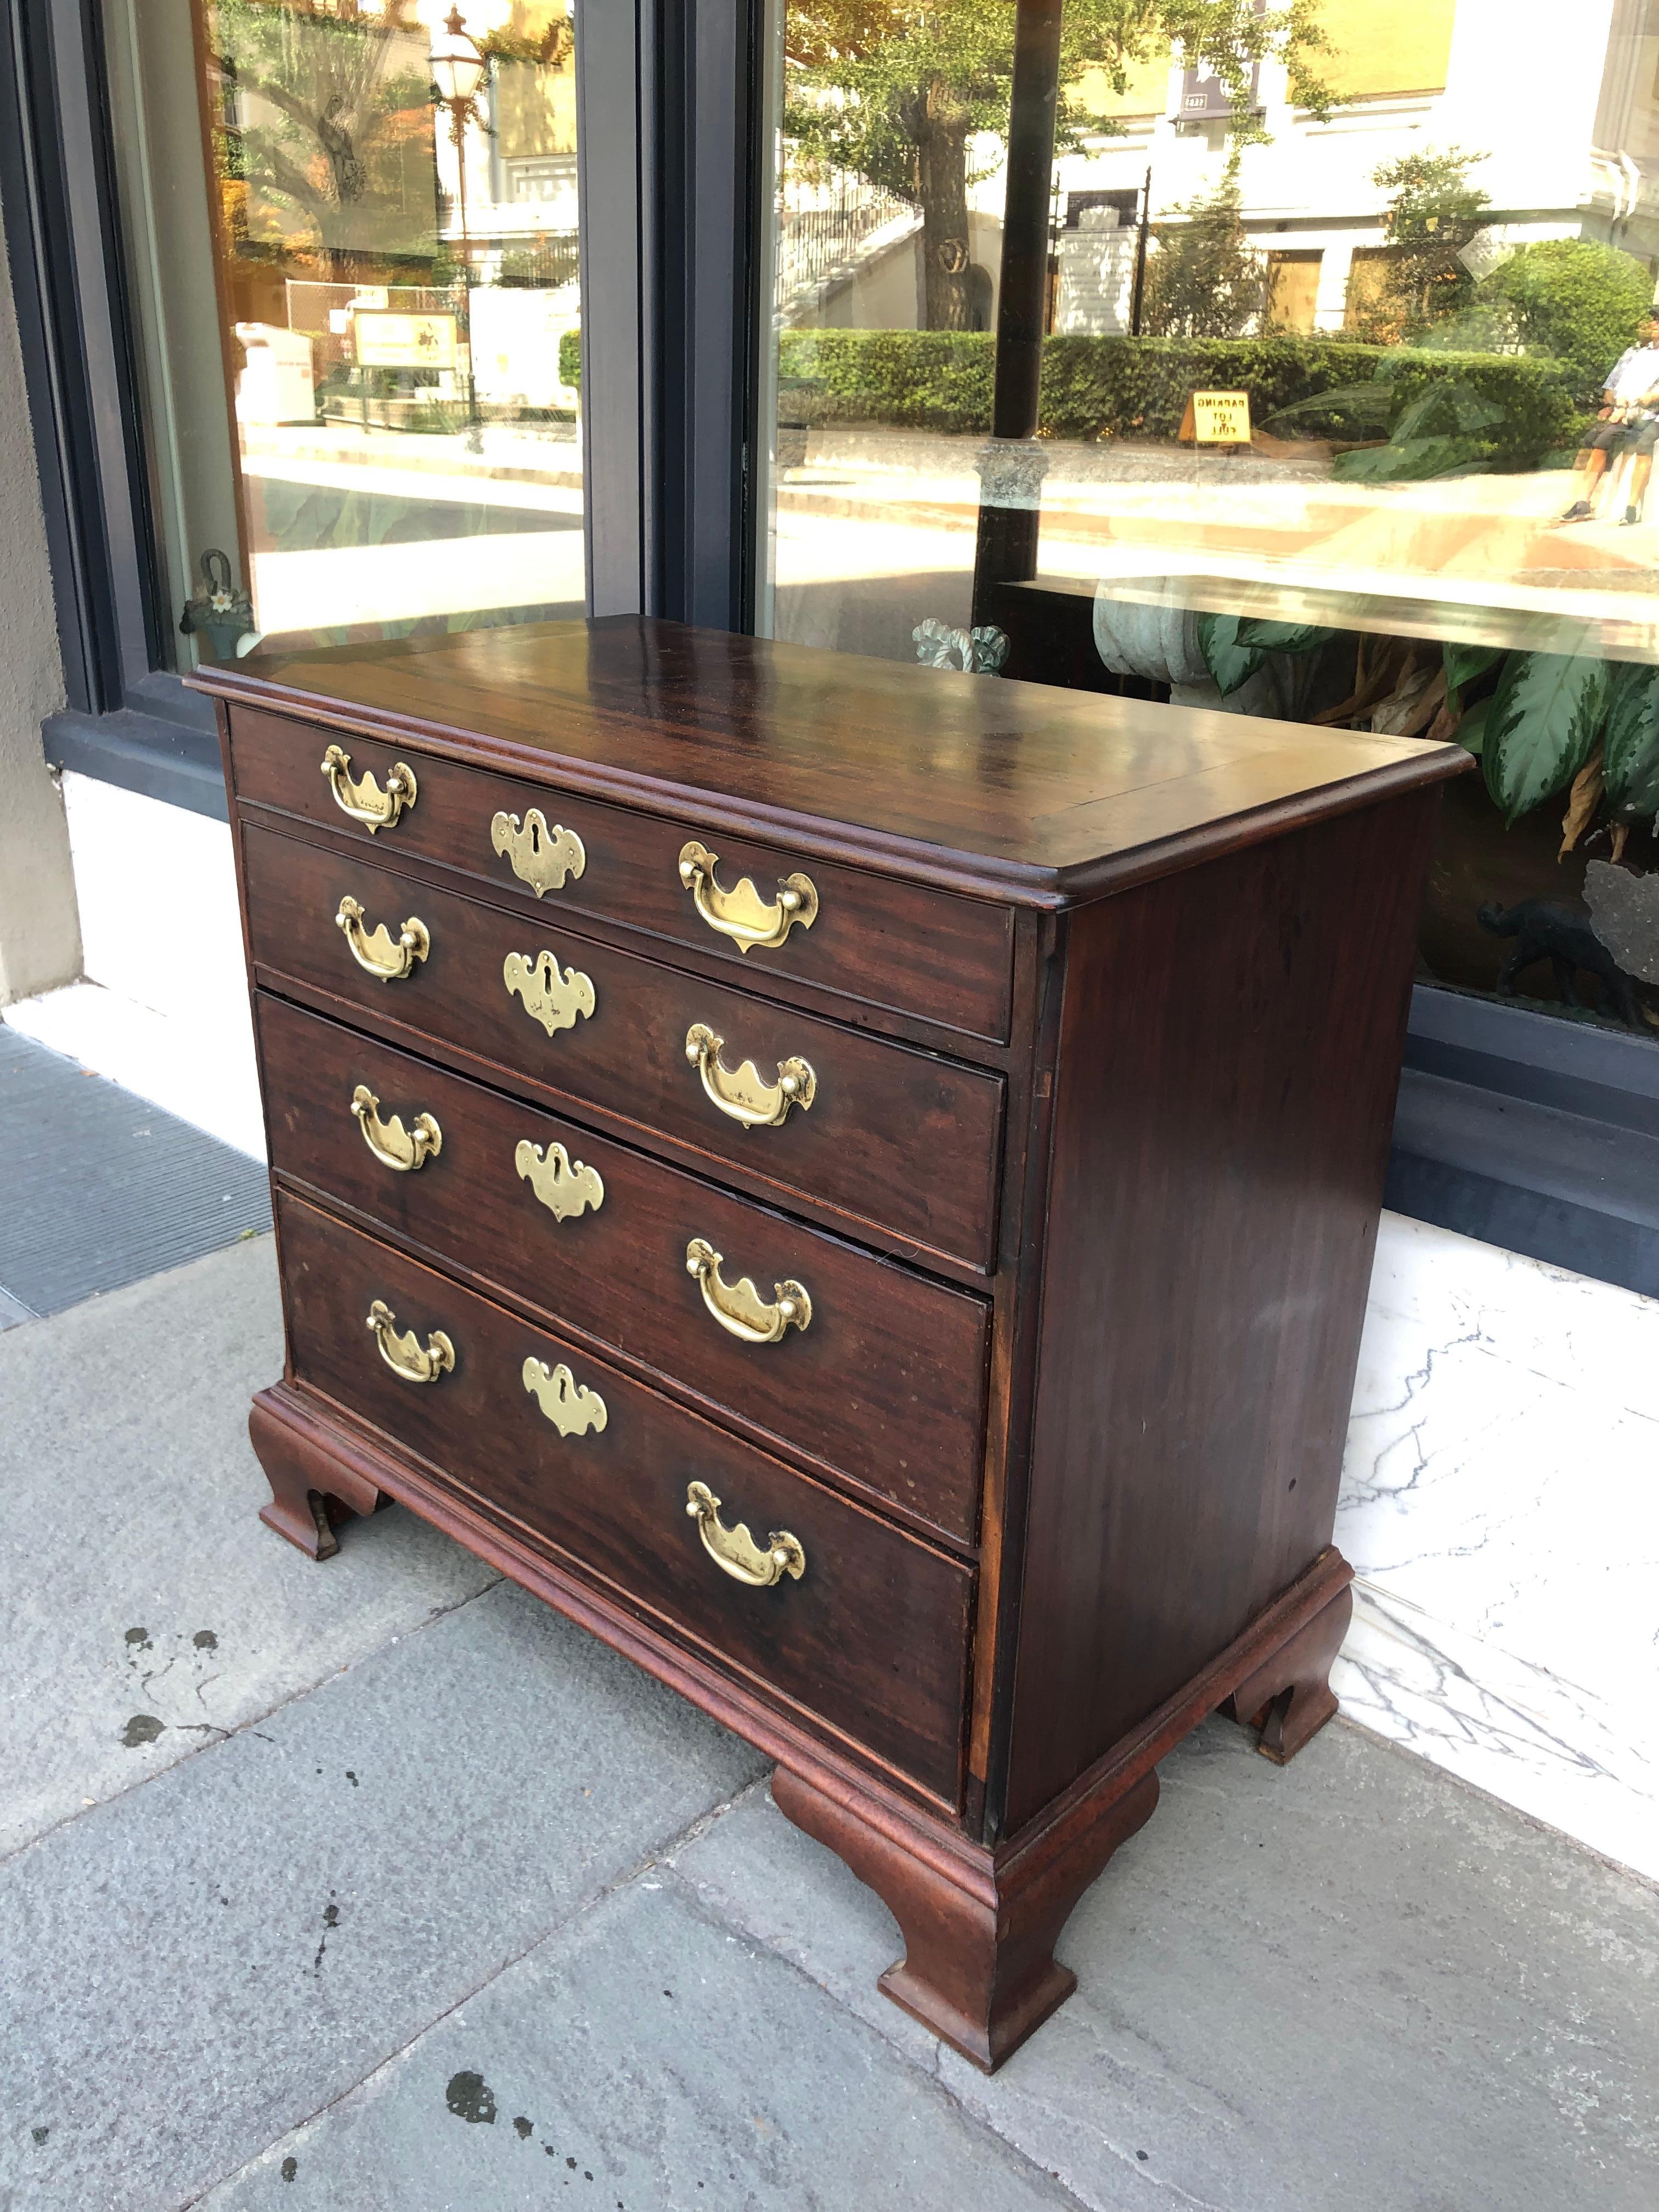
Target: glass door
(352, 232)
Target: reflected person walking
(1628, 423)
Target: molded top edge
(1022, 792)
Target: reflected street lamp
(458, 66)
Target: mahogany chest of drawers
(856, 1183)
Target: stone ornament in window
(979, 651)
(222, 611)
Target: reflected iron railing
(814, 242)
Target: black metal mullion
(39, 251)
(616, 163)
(706, 60)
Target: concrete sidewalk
(377, 1885)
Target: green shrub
(923, 379)
(1519, 407)
(1489, 410)
(570, 358)
(1573, 299)
(1121, 387)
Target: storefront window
(892, 126)
(351, 233)
(1349, 400)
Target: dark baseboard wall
(1533, 1133)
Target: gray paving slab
(648, 2059)
(100, 1187)
(205, 1963)
(1351, 1981)
(146, 1608)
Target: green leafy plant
(1235, 647)
(1466, 663)
(1543, 724)
(1449, 430)
(1630, 744)
(1547, 722)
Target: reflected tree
(326, 140)
(900, 91)
(1432, 215)
(1206, 280)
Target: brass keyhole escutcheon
(542, 857)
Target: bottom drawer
(872, 1633)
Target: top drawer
(892, 944)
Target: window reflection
(352, 225)
(1349, 400)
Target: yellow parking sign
(1221, 418)
(393, 341)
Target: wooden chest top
(1021, 792)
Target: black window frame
(1535, 1133)
(129, 719)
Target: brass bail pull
(374, 950)
(394, 1146)
(403, 1353)
(744, 1095)
(742, 914)
(364, 801)
(735, 1551)
(738, 1307)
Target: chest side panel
(1229, 1051)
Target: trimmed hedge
(570, 358)
(1517, 407)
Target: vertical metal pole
(458, 131)
(1012, 466)
(1137, 298)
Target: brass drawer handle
(375, 950)
(364, 801)
(401, 1352)
(538, 856)
(735, 1551)
(393, 1145)
(742, 914)
(743, 1094)
(571, 1408)
(738, 1307)
(552, 996)
(564, 1185)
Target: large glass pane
(352, 232)
(1349, 402)
(890, 126)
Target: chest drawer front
(895, 945)
(885, 1382)
(898, 1138)
(873, 1633)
